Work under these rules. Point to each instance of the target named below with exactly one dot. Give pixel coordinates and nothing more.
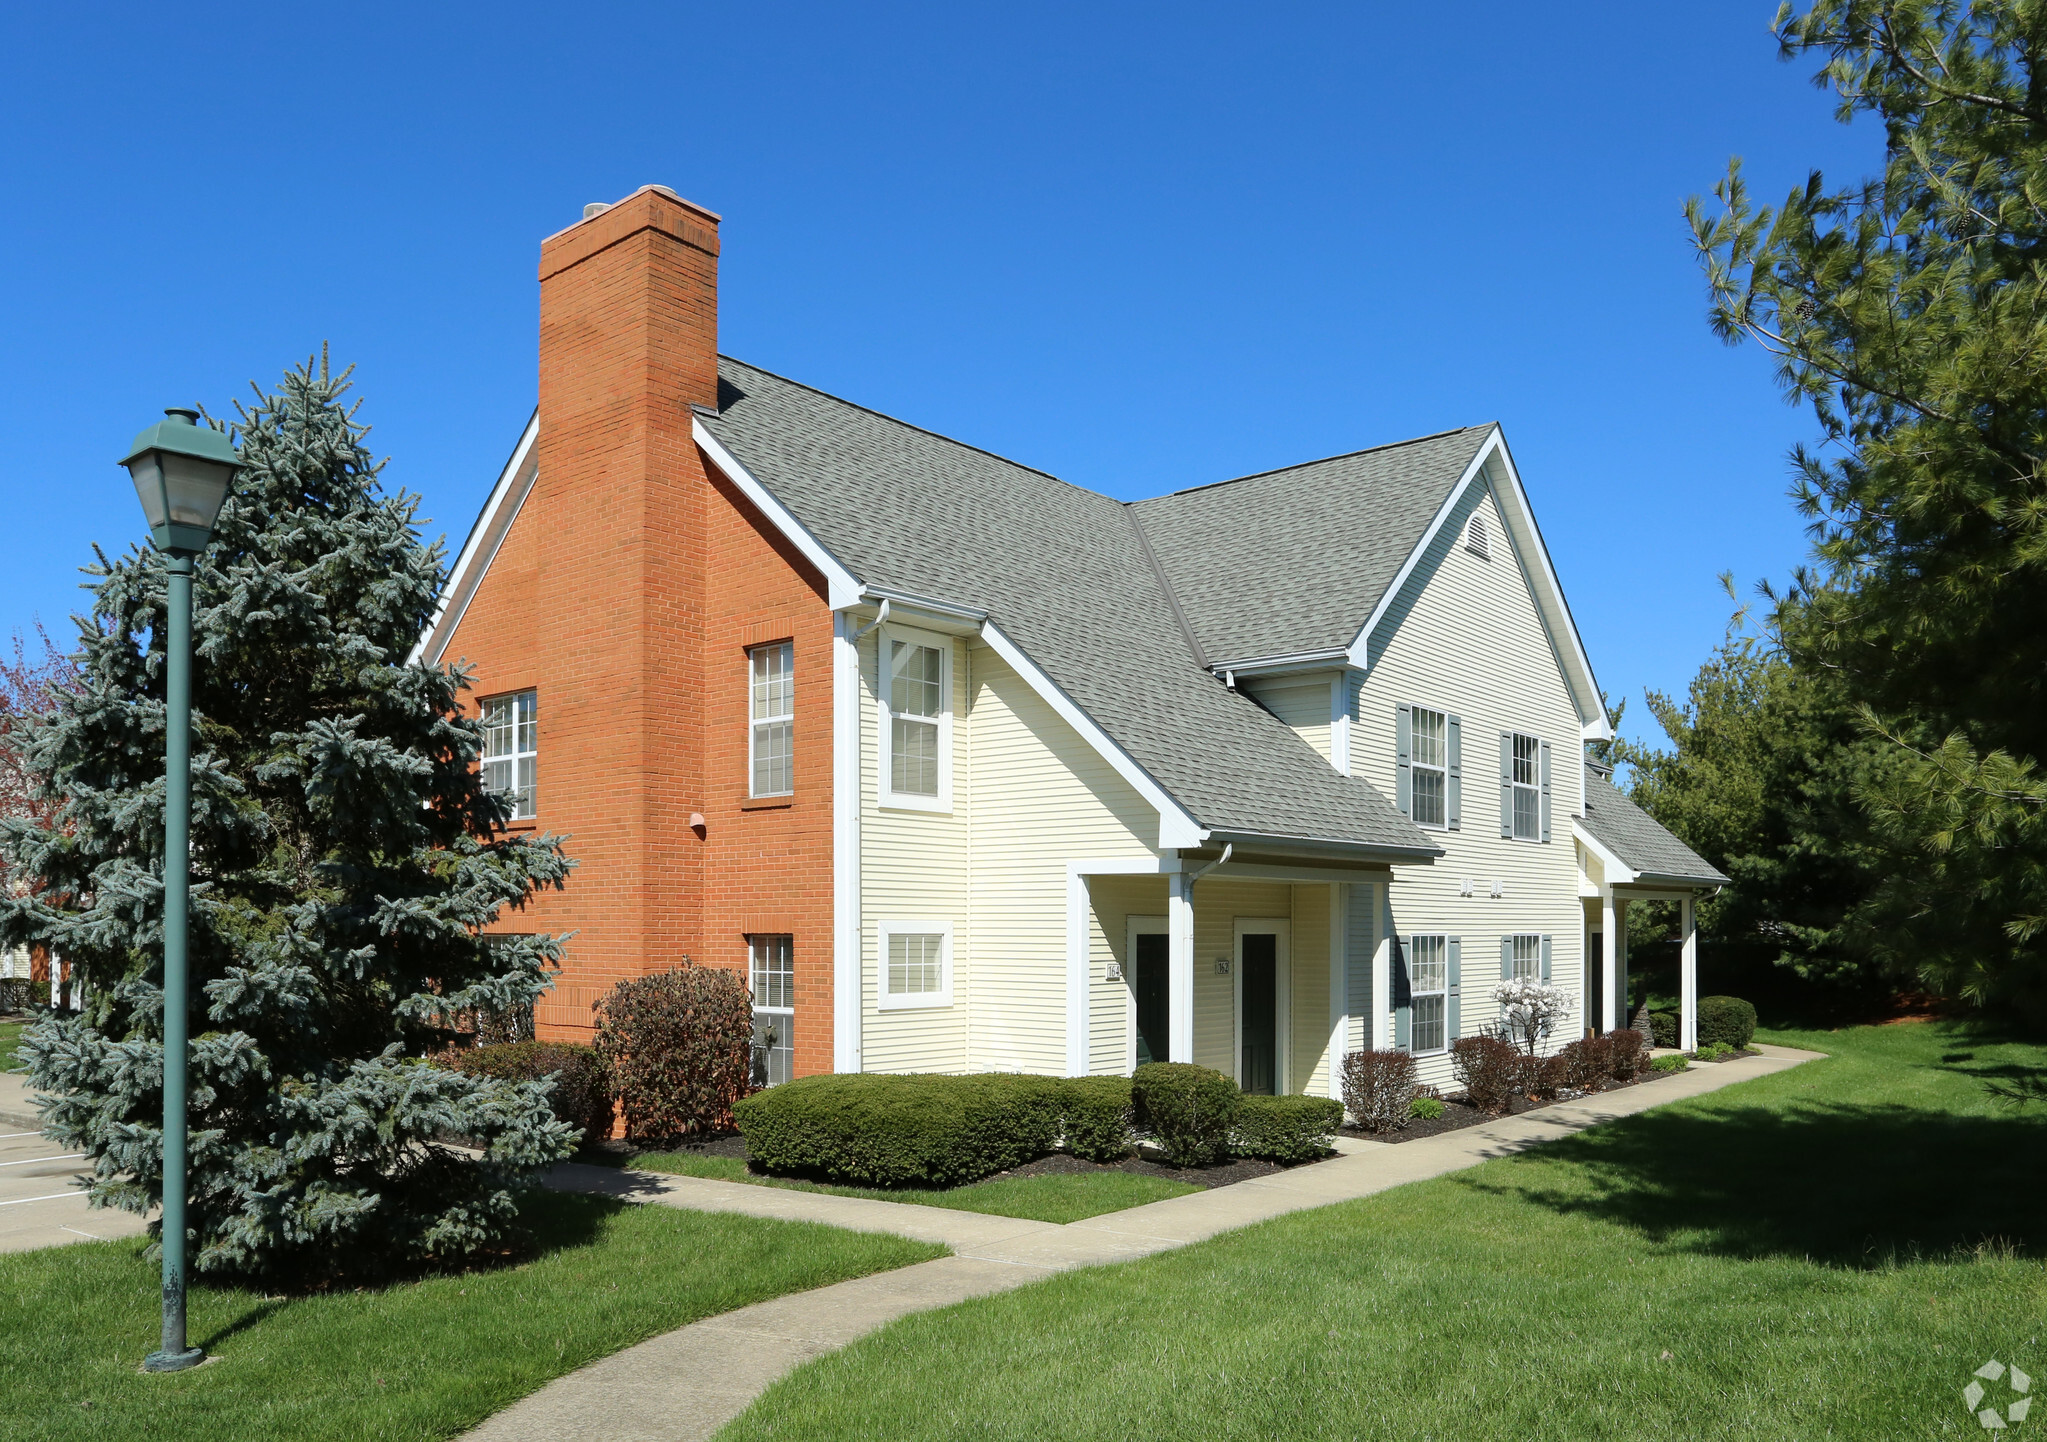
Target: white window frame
(784, 1015)
(884, 780)
(755, 722)
(1533, 788)
(531, 807)
(887, 1000)
(1534, 958)
(1415, 993)
(1415, 768)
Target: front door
(1258, 998)
(1151, 983)
(1595, 981)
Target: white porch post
(847, 992)
(1609, 951)
(1079, 972)
(1180, 969)
(1688, 985)
(1377, 1032)
(1339, 983)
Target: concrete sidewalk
(687, 1384)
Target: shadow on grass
(1843, 1184)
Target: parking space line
(47, 1197)
(31, 1161)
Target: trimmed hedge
(1726, 1019)
(1096, 1117)
(899, 1131)
(582, 1094)
(1186, 1109)
(680, 1044)
(1663, 1027)
(1285, 1129)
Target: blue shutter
(1545, 959)
(1453, 813)
(1545, 791)
(1403, 997)
(1451, 1032)
(1403, 755)
(1506, 783)
(1506, 958)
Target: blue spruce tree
(344, 857)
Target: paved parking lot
(41, 1204)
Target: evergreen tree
(344, 856)
(1910, 311)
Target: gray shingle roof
(1062, 572)
(1294, 560)
(1639, 839)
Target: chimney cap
(596, 207)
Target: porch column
(1377, 1032)
(1180, 969)
(1339, 983)
(1609, 952)
(1688, 978)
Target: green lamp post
(182, 471)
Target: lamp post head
(182, 471)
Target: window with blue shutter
(1454, 817)
(1506, 783)
(1403, 746)
(1506, 958)
(1456, 982)
(1545, 958)
(1545, 791)
(1401, 995)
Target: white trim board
(1078, 971)
(493, 523)
(1525, 537)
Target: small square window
(916, 964)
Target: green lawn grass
(421, 1360)
(10, 1037)
(1057, 1197)
(1827, 1252)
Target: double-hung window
(1522, 785)
(1524, 957)
(511, 747)
(916, 689)
(771, 743)
(1428, 981)
(1429, 786)
(916, 964)
(774, 1008)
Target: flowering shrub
(1379, 1088)
(680, 1045)
(1489, 1068)
(1530, 1011)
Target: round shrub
(1427, 1109)
(1490, 1069)
(1096, 1120)
(1285, 1129)
(1663, 1028)
(1186, 1109)
(680, 1044)
(1726, 1019)
(880, 1130)
(1379, 1088)
(581, 1094)
(1588, 1064)
(1627, 1054)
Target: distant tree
(1910, 311)
(31, 676)
(345, 857)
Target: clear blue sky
(1142, 247)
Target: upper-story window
(1524, 787)
(916, 729)
(1429, 787)
(771, 744)
(511, 751)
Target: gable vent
(1476, 540)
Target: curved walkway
(686, 1384)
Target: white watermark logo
(2007, 1393)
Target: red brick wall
(625, 594)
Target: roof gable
(1640, 841)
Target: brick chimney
(628, 343)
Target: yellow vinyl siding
(1029, 795)
(1113, 900)
(1464, 637)
(1309, 1068)
(1305, 705)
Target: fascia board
(1360, 646)
(1176, 827)
(1618, 872)
(1279, 665)
(842, 590)
(1332, 846)
(1595, 725)
(480, 547)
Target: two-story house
(967, 768)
